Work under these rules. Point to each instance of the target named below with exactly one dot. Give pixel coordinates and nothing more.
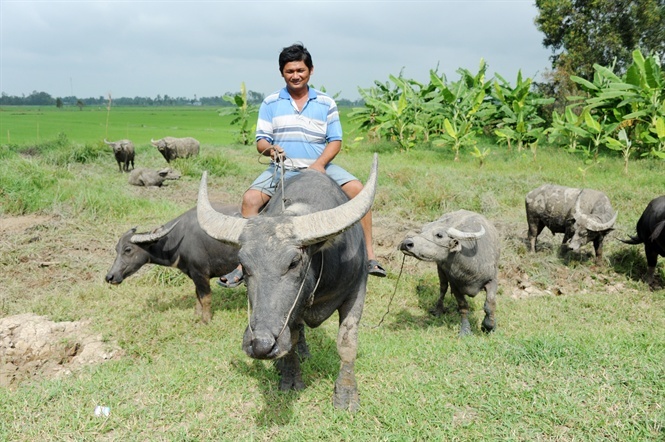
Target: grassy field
(578, 354)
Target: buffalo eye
(294, 263)
(439, 235)
(127, 250)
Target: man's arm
(329, 153)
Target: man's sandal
(375, 269)
(232, 279)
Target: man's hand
(277, 153)
(317, 167)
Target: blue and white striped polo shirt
(302, 135)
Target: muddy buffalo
(123, 150)
(172, 148)
(179, 243)
(304, 258)
(651, 232)
(465, 247)
(152, 178)
(582, 215)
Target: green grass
(33, 124)
(582, 360)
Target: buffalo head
(131, 254)
(279, 254)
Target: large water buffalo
(582, 215)
(651, 232)
(465, 247)
(172, 148)
(304, 258)
(123, 150)
(152, 178)
(179, 243)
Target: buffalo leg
(289, 371)
(463, 309)
(598, 247)
(346, 390)
(489, 323)
(535, 228)
(302, 348)
(204, 307)
(652, 260)
(203, 298)
(438, 308)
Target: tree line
(45, 99)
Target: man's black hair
(295, 52)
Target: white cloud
(178, 48)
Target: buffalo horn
(308, 229)
(222, 227)
(320, 226)
(595, 226)
(459, 235)
(140, 238)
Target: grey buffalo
(465, 247)
(172, 148)
(651, 232)
(179, 243)
(123, 150)
(304, 258)
(582, 215)
(150, 177)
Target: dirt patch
(33, 346)
(20, 223)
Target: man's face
(296, 74)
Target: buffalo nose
(262, 346)
(406, 245)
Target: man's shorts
(267, 182)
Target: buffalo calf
(465, 247)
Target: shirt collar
(284, 93)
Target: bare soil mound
(33, 346)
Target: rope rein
(310, 300)
(393, 295)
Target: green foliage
(633, 102)
(243, 114)
(391, 112)
(463, 104)
(517, 111)
(584, 33)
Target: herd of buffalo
(304, 256)
(171, 148)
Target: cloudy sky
(207, 48)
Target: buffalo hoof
(465, 329)
(488, 325)
(346, 398)
(437, 311)
(290, 374)
(291, 383)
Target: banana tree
(636, 100)
(242, 113)
(517, 112)
(623, 144)
(392, 111)
(462, 105)
(566, 129)
(395, 119)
